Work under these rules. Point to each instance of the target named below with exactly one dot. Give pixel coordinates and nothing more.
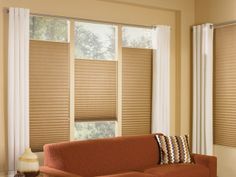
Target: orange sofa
(136, 156)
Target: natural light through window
(136, 37)
(49, 29)
(94, 129)
(95, 41)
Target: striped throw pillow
(174, 149)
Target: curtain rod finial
(6, 10)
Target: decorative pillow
(174, 149)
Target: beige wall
(177, 13)
(2, 98)
(215, 11)
(219, 11)
(226, 159)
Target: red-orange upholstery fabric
(51, 172)
(136, 156)
(129, 174)
(179, 170)
(208, 161)
(104, 156)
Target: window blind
(136, 91)
(95, 90)
(224, 86)
(49, 93)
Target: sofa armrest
(52, 172)
(208, 161)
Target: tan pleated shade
(225, 86)
(136, 91)
(95, 90)
(49, 93)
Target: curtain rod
(224, 24)
(89, 20)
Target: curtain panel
(161, 80)
(202, 89)
(18, 84)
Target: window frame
(118, 59)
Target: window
(136, 80)
(49, 81)
(94, 130)
(49, 29)
(95, 80)
(135, 37)
(95, 41)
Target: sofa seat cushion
(129, 174)
(179, 170)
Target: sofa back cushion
(103, 156)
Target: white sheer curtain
(161, 80)
(202, 89)
(18, 84)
